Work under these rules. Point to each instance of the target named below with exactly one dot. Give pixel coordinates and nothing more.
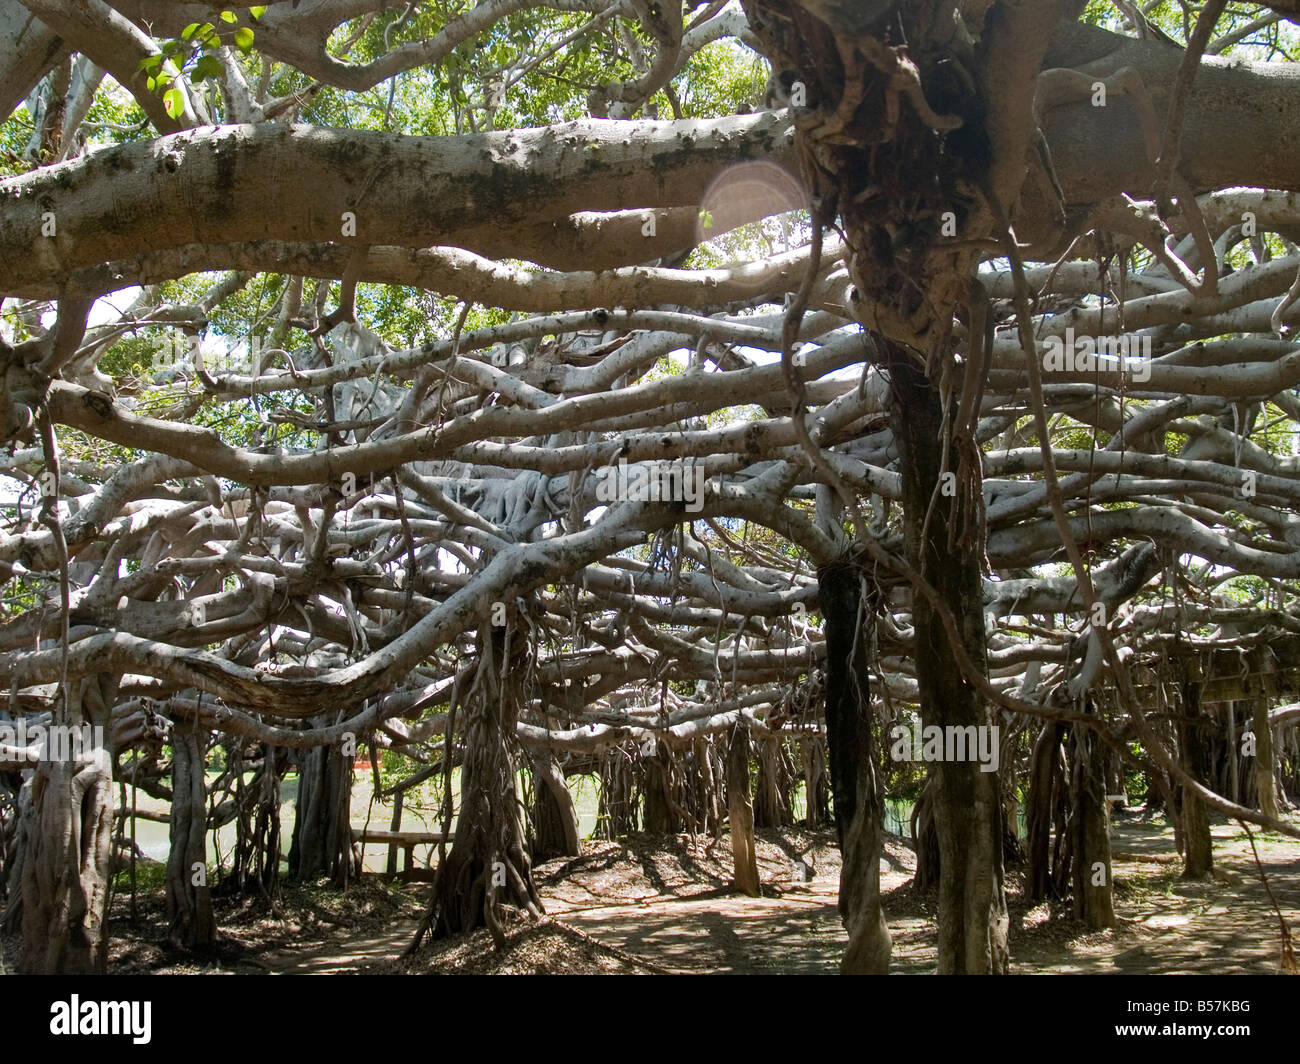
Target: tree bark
(255, 865)
(772, 798)
(704, 770)
(1198, 852)
(555, 818)
(1265, 780)
(1043, 808)
(67, 837)
(858, 800)
(925, 840)
(662, 814)
(740, 812)
(322, 830)
(816, 797)
(10, 786)
(488, 866)
(1091, 898)
(615, 812)
(1234, 755)
(973, 918)
(66, 869)
(191, 923)
(434, 190)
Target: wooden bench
(408, 841)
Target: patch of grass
(149, 876)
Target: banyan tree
(683, 397)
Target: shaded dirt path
(669, 903)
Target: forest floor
(687, 920)
(651, 905)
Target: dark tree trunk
(973, 918)
(616, 810)
(662, 814)
(255, 863)
(1115, 777)
(191, 924)
(1233, 792)
(66, 869)
(1198, 851)
(772, 797)
(1013, 852)
(925, 840)
(908, 283)
(817, 805)
(740, 813)
(1265, 779)
(1092, 899)
(66, 826)
(322, 830)
(394, 824)
(554, 816)
(488, 866)
(1044, 809)
(859, 802)
(704, 774)
(11, 784)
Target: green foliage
(422, 799)
(149, 876)
(195, 54)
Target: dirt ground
(1167, 925)
(652, 905)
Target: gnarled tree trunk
(191, 923)
(1265, 780)
(554, 816)
(1044, 810)
(772, 794)
(967, 806)
(322, 830)
(1198, 851)
(859, 803)
(740, 813)
(662, 813)
(10, 785)
(616, 809)
(66, 826)
(488, 866)
(255, 865)
(816, 794)
(1092, 899)
(925, 840)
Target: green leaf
(257, 12)
(188, 31)
(174, 102)
(243, 38)
(207, 67)
(228, 16)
